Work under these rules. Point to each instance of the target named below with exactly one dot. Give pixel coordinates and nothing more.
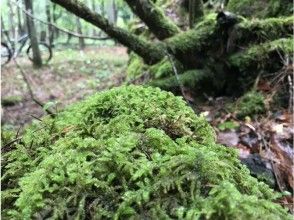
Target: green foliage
(129, 153)
(261, 8)
(250, 104)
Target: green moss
(129, 153)
(250, 104)
(135, 67)
(262, 30)
(261, 8)
(164, 69)
(266, 56)
(7, 135)
(188, 79)
(195, 39)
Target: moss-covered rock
(261, 8)
(252, 103)
(130, 153)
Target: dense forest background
(91, 127)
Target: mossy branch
(149, 52)
(159, 24)
(206, 39)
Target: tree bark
(160, 25)
(13, 27)
(111, 11)
(37, 60)
(94, 9)
(50, 28)
(149, 52)
(79, 29)
(19, 21)
(196, 11)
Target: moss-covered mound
(129, 153)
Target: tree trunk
(56, 16)
(111, 11)
(19, 21)
(79, 30)
(148, 51)
(196, 11)
(154, 18)
(14, 28)
(37, 60)
(94, 9)
(50, 28)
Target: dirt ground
(70, 76)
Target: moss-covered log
(205, 40)
(159, 24)
(130, 153)
(149, 52)
(267, 57)
(262, 8)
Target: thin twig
(37, 101)
(171, 60)
(11, 142)
(59, 28)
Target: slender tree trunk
(111, 11)
(19, 21)
(196, 11)
(79, 29)
(49, 20)
(94, 9)
(37, 60)
(13, 27)
(56, 16)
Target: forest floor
(70, 76)
(265, 142)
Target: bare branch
(59, 28)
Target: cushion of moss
(130, 153)
(250, 104)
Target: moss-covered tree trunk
(220, 45)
